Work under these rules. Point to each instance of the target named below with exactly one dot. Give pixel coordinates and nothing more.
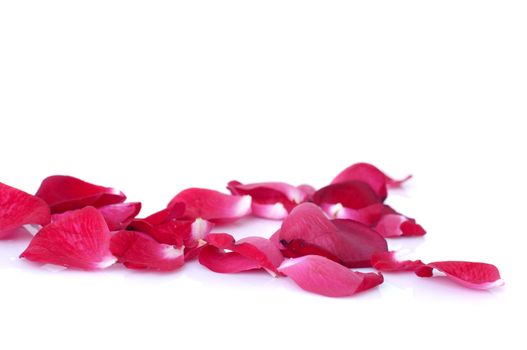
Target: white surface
(156, 96)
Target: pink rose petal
(137, 250)
(212, 205)
(320, 275)
(473, 275)
(80, 239)
(272, 200)
(371, 175)
(222, 254)
(308, 231)
(18, 208)
(64, 193)
(119, 216)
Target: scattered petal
(371, 175)
(320, 275)
(308, 231)
(350, 194)
(119, 216)
(64, 193)
(137, 250)
(80, 239)
(212, 205)
(388, 262)
(272, 200)
(222, 254)
(18, 208)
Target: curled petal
(395, 225)
(473, 275)
(350, 194)
(64, 193)
(308, 231)
(212, 205)
(119, 216)
(18, 208)
(137, 250)
(320, 275)
(175, 211)
(80, 239)
(222, 254)
(371, 175)
(272, 200)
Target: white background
(156, 96)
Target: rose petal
(371, 175)
(137, 250)
(272, 200)
(212, 205)
(395, 225)
(64, 193)
(119, 216)
(18, 208)
(474, 275)
(308, 231)
(80, 239)
(249, 253)
(320, 275)
(350, 194)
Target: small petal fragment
(80, 239)
(272, 200)
(119, 216)
(18, 208)
(320, 275)
(388, 262)
(137, 250)
(64, 193)
(212, 205)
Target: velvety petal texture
(320, 275)
(64, 193)
(18, 208)
(308, 231)
(137, 250)
(224, 255)
(80, 239)
(272, 200)
(119, 216)
(212, 205)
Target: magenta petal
(212, 205)
(64, 193)
(80, 239)
(475, 275)
(247, 254)
(137, 250)
(371, 175)
(18, 208)
(351, 194)
(395, 225)
(119, 216)
(308, 231)
(319, 275)
(272, 200)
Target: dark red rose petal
(18, 208)
(320, 275)
(64, 193)
(222, 254)
(212, 205)
(474, 275)
(272, 200)
(308, 231)
(137, 250)
(80, 239)
(119, 216)
(371, 175)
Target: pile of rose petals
(324, 232)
